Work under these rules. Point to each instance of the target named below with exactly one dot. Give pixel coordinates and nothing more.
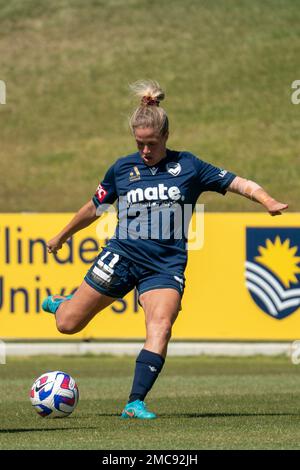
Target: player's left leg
(161, 307)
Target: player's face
(151, 145)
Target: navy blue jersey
(155, 205)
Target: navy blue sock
(148, 366)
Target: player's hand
(275, 208)
(54, 245)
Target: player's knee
(167, 331)
(66, 326)
(161, 327)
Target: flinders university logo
(273, 269)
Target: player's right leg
(74, 314)
(108, 279)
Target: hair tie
(148, 101)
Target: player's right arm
(105, 194)
(84, 217)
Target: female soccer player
(148, 250)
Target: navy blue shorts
(115, 275)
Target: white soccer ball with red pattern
(54, 394)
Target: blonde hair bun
(149, 89)
(149, 114)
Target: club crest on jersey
(153, 170)
(100, 193)
(273, 269)
(173, 168)
(134, 175)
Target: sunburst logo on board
(273, 269)
(280, 258)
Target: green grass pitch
(202, 403)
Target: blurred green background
(226, 65)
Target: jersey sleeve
(212, 178)
(106, 192)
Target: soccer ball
(54, 394)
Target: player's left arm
(256, 193)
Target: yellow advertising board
(242, 284)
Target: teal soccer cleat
(50, 304)
(137, 409)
